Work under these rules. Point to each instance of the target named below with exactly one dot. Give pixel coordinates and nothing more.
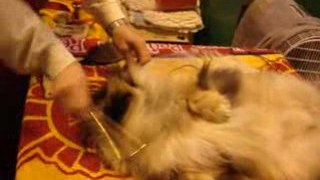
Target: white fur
(271, 130)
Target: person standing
(27, 46)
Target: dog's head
(166, 94)
(167, 98)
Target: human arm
(125, 38)
(28, 46)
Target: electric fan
(284, 26)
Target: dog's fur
(216, 119)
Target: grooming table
(50, 145)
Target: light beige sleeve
(105, 11)
(26, 44)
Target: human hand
(130, 44)
(70, 89)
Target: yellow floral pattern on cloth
(50, 146)
(77, 29)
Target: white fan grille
(291, 31)
(303, 52)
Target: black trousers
(13, 90)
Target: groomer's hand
(131, 44)
(71, 89)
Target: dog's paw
(210, 106)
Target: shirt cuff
(105, 11)
(58, 59)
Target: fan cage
(303, 52)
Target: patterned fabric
(51, 147)
(77, 29)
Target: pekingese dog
(209, 119)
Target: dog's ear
(99, 95)
(113, 98)
(224, 79)
(117, 98)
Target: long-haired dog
(213, 119)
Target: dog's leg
(210, 106)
